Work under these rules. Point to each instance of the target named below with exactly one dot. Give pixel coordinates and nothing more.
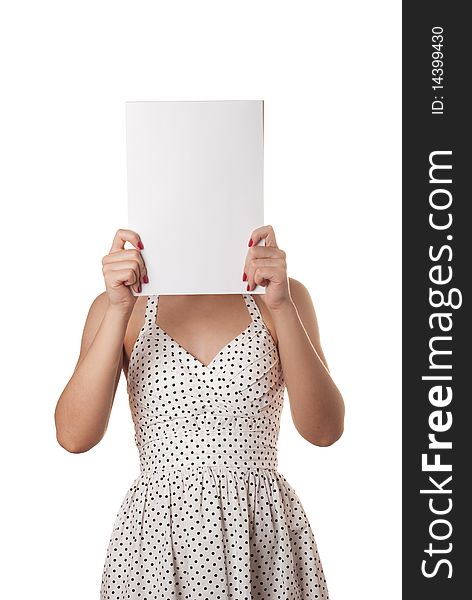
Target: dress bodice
(188, 414)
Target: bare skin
(202, 324)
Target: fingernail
(140, 244)
(250, 242)
(146, 279)
(139, 288)
(244, 276)
(248, 288)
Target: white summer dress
(209, 517)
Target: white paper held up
(195, 191)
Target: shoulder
(96, 312)
(297, 287)
(303, 302)
(99, 306)
(99, 303)
(299, 293)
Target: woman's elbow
(71, 446)
(75, 443)
(324, 438)
(73, 438)
(329, 440)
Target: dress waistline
(223, 448)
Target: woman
(209, 516)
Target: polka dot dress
(209, 517)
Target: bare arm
(83, 409)
(316, 404)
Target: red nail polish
(146, 279)
(140, 244)
(139, 288)
(244, 276)
(248, 288)
(250, 242)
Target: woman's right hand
(123, 268)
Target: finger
(127, 264)
(117, 260)
(121, 266)
(128, 254)
(265, 275)
(256, 253)
(127, 277)
(259, 263)
(126, 235)
(265, 232)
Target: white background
(329, 73)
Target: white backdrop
(329, 73)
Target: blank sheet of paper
(195, 191)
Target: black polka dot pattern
(209, 517)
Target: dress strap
(153, 302)
(151, 312)
(253, 308)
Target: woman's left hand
(266, 266)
